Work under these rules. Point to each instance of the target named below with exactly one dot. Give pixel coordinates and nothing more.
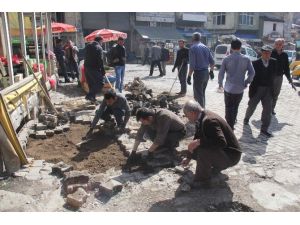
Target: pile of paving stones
(78, 185)
(45, 126)
(140, 96)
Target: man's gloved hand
(173, 70)
(189, 80)
(211, 74)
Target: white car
(224, 50)
(291, 54)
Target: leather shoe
(246, 122)
(266, 133)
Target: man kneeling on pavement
(163, 127)
(215, 147)
(114, 104)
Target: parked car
(291, 55)
(224, 50)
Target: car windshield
(221, 50)
(290, 54)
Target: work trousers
(153, 63)
(232, 102)
(163, 67)
(277, 83)
(264, 95)
(218, 159)
(182, 74)
(117, 113)
(200, 83)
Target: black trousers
(232, 102)
(73, 68)
(94, 79)
(219, 159)
(117, 113)
(153, 63)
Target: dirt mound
(97, 155)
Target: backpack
(111, 56)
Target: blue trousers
(120, 71)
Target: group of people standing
(67, 59)
(265, 77)
(94, 66)
(159, 56)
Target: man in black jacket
(119, 58)
(181, 63)
(93, 67)
(261, 89)
(282, 68)
(165, 57)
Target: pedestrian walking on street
(93, 67)
(71, 52)
(165, 57)
(260, 89)
(181, 63)
(119, 60)
(155, 59)
(235, 65)
(215, 147)
(282, 68)
(61, 59)
(200, 58)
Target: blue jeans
(120, 71)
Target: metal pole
(48, 43)
(7, 43)
(23, 40)
(43, 44)
(35, 38)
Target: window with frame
(246, 18)
(219, 18)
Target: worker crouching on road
(162, 126)
(214, 147)
(113, 104)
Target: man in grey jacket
(235, 65)
(162, 126)
(155, 59)
(113, 104)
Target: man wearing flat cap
(260, 89)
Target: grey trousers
(264, 95)
(163, 66)
(200, 83)
(277, 83)
(182, 74)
